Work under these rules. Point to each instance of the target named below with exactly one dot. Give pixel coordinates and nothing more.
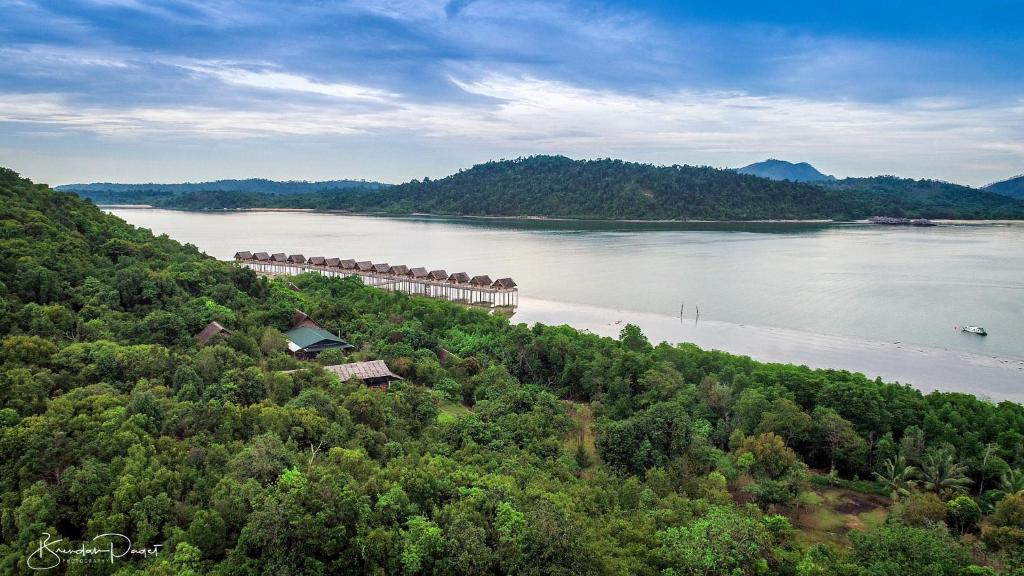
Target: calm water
(891, 290)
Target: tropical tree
(943, 475)
(1011, 482)
(898, 476)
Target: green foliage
(896, 550)
(114, 419)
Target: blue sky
(140, 90)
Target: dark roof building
(261, 256)
(243, 255)
(419, 273)
(504, 284)
(458, 278)
(211, 330)
(316, 260)
(332, 263)
(297, 259)
(349, 264)
(279, 257)
(439, 275)
(373, 373)
(481, 280)
(381, 268)
(399, 270)
(306, 342)
(365, 266)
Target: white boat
(974, 330)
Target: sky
(390, 90)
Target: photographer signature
(50, 554)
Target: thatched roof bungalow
(504, 284)
(332, 262)
(261, 257)
(419, 273)
(459, 278)
(297, 259)
(382, 268)
(316, 260)
(212, 329)
(365, 266)
(279, 257)
(349, 264)
(372, 373)
(243, 255)
(438, 275)
(399, 270)
(481, 280)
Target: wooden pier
(456, 287)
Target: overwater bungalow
(297, 259)
(316, 261)
(399, 270)
(481, 281)
(458, 278)
(243, 255)
(349, 264)
(365, 266)
(438, 275)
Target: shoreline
(946, 222)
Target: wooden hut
(243, 255)
(296, 259)
(459, 278)
(300, 319)
(261, 257)
(279, 257)
(481, 281)
(316, 261)
(382, 268)
(399, 270)
(372, 373)
(365, 266)
(437, 275)
(504, 284)
(419, 273)
(332, 262)
(349, 264)
(211, 330)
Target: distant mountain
(1014, 187)
(259, 185)
(782, 170)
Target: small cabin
(212, 329)
(300, 319)
(438, 275)
(459, 278)
(374, 373)
(307, 343)
(332, 262)
(297, 259)
(365, 266)
(419, 273)
(261, 257)
(316, 261)
(399, 270)
(349, 264)
(243, 255)
(481, 281)
(504, 284)
(279, 257)
(382, 268)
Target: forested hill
(556, 186)
(259, 185)
(894, 196)
(559, 187)
(506, 449)
(1013, 187)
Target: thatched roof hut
(261, 256)
(243, 255)
(365, 266)
(316, 260)
(211, 330)
(439, 275)
(419, 273)
(297, 259)
(481, 280)
(399, 270)
(279, 257)
(349, 264)
(332, 262)
(459, 278)
(382, 268)
(504, 284)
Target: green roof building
(307, 342)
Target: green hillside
(506, 449)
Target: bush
(962, 514)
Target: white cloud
(927, 137)
(270, 79)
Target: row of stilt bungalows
(457, 287)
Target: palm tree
(1011, 482)
(943, 475)
(898, 476)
